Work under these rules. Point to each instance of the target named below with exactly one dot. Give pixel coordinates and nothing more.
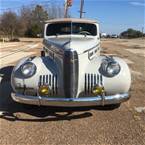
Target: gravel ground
(31, 125)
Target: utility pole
(81, 8)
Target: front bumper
(70, 102)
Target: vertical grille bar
(88, 83)
(53, 84)
(56, 84)
(91, 82)
(50, 80)
(47, 79)
(40, 80)
(101, 80)
(85, 83)
(43, 79)
(95, 79)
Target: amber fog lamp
(98, 90)
(44, 90)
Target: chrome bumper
(70, 102)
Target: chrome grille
(91, 80)
(50, 80)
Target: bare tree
(24, 20)
(9, 23)
(55, 11)
(30, 21)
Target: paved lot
(29, 125)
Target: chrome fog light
(28, 69)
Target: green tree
(131, 33)
(38, 17)
(34, 31)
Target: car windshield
(71, 28)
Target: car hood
(80, 44)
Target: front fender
(90, 74)
(47, 71)
(121, 82)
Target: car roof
(61, 20)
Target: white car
(71, 71)
(114, 36)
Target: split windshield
(71, 28)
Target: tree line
(131, 33)
(128, 34)
(29, 22)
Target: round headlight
(28, 69)
(110, 69)
(113, 69)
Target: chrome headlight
(110, 68)
(28, 69)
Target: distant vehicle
(71, 71)
(39, 35)
(103, 35)
(114, 36)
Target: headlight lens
(28, 69)
(113, 69)
(110, 69)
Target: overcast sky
(114, 16)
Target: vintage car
(71, 71)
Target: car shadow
(13, 111)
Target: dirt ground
(32, 125)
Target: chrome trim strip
(53, 47)
(69, 102)
(91, 48)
